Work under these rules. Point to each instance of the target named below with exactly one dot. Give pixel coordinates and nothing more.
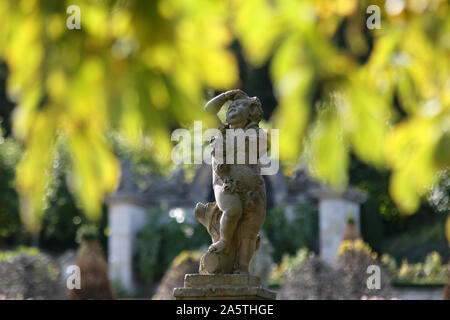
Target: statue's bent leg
(231, 208)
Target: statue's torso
(234, 177)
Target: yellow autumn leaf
(327, 155)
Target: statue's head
(243, 111)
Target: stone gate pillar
(334, 209)
(125, 221)
(128, 208)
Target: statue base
(222, 287)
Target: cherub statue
(237, 215)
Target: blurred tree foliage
(63, 215)
(6, 106)
(145, 67)
(10, 224)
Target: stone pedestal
(222, 287)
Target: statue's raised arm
(215, 104)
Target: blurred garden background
(86, 117)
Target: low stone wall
(418, 293)
(29, 276)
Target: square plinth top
(222, 286)
(220, 280)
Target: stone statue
(237, 215)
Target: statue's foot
(218, 246)
(240, 271)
